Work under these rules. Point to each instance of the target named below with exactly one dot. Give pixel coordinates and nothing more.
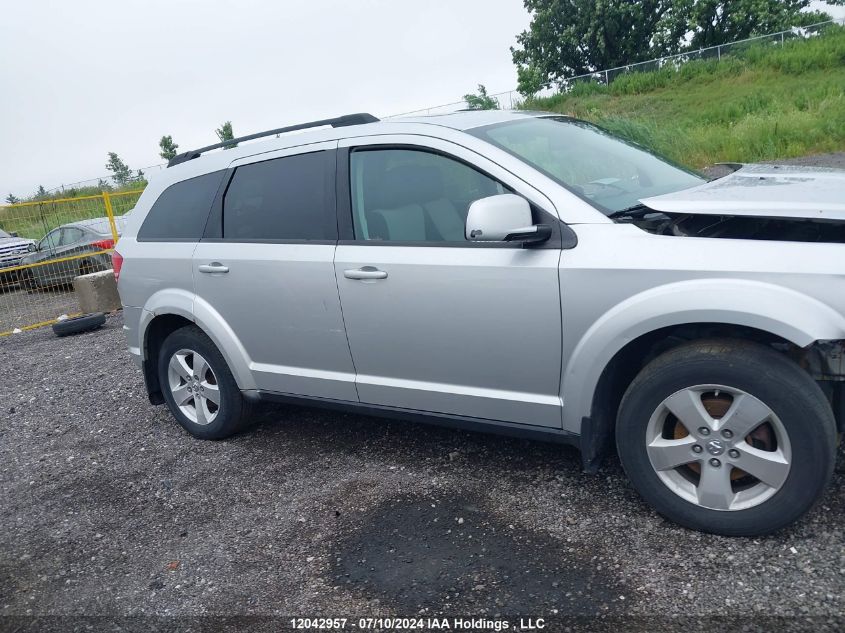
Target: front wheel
(198, 386)
(727, 437)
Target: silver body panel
(506, 334)
(769, 191)
(293, 334)
(467, 331)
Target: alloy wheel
(718, 447)
(194, 386)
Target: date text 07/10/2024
(418, 624)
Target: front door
(436, 323)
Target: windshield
(608, 172)
(4, 234)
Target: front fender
(781, 311)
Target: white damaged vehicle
(513, 272)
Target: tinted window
(182, 209)
(416, 196)
(282, 199)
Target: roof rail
(341, 121)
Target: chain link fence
(512, 99)
(45, 244)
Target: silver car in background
(49, 265)
(515, 272)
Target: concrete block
(97, 292)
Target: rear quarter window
(181, 211)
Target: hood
(765, 191)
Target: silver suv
(515, 272)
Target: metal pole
(606, 79)
(110, 214)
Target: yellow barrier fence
(45, 244)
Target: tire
(77, 325)
(727, 385)
(202, 418)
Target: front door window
(413, 196)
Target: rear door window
(284, 199)
(71, 235)
(181, 211)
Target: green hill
(767, 102)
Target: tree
(481, 101)
(574, 37)
(120, 171)
(225, 133)
(104, 185)
(41, 192)
(529, 80)
(12, 199)
(168, 147)
(715, 22)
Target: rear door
(436, 323)
(265, 266)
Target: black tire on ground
(76, 325)
(234, 414)
(769, 376)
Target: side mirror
(14, 234)
(504, 218)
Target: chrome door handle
(365, 272)
(213, 267)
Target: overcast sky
(79, 79)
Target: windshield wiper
(634, 211)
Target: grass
(766, 102)
(35, 221)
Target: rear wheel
(198, 386)
(727, 437)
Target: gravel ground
(115, 519)
(110, 509)
(18, 308)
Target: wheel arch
(621, 342)
(165, 314)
